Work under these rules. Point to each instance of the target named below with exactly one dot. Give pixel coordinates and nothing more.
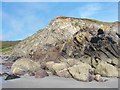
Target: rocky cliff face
(68, 47)
(59, 30)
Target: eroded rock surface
(106, 69)
(24, 65)
(72, 48)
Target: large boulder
(24, 65)
(106, 69)
(80, 72)
(55, 67)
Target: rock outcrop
(59, 29)
(77, 48)
(24, 65)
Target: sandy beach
(56, 82)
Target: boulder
(64, 73)
(41, 73)
(49, 73)
(86, 59)
(106, 69)
(55, 67)
(49, 65)
(24, 65)
(59, 66)
(80, 72)
(115, 61)
(94, 62)
(43, 65)
(71, 61)
(118, 72)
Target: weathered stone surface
(50, 73)
(71, 61)
(115, 61)
(59, 66)
(80, 72)
(64, 73)
(41, 73)
(86, 59)
(49, 65)
(24, 65)
(106, 69)
(94, 63)
(55, 67)
(98, 77)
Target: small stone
(97, 77)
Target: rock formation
(59, 30)
(82, 49)
(24, 65)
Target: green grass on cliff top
(7, 46)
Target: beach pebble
(98, 77)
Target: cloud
(89, 10)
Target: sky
(22, 19)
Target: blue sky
(21, 19)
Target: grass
(7, 46)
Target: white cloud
(89, 10)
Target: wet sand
(56, 82)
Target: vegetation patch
(7, 46)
